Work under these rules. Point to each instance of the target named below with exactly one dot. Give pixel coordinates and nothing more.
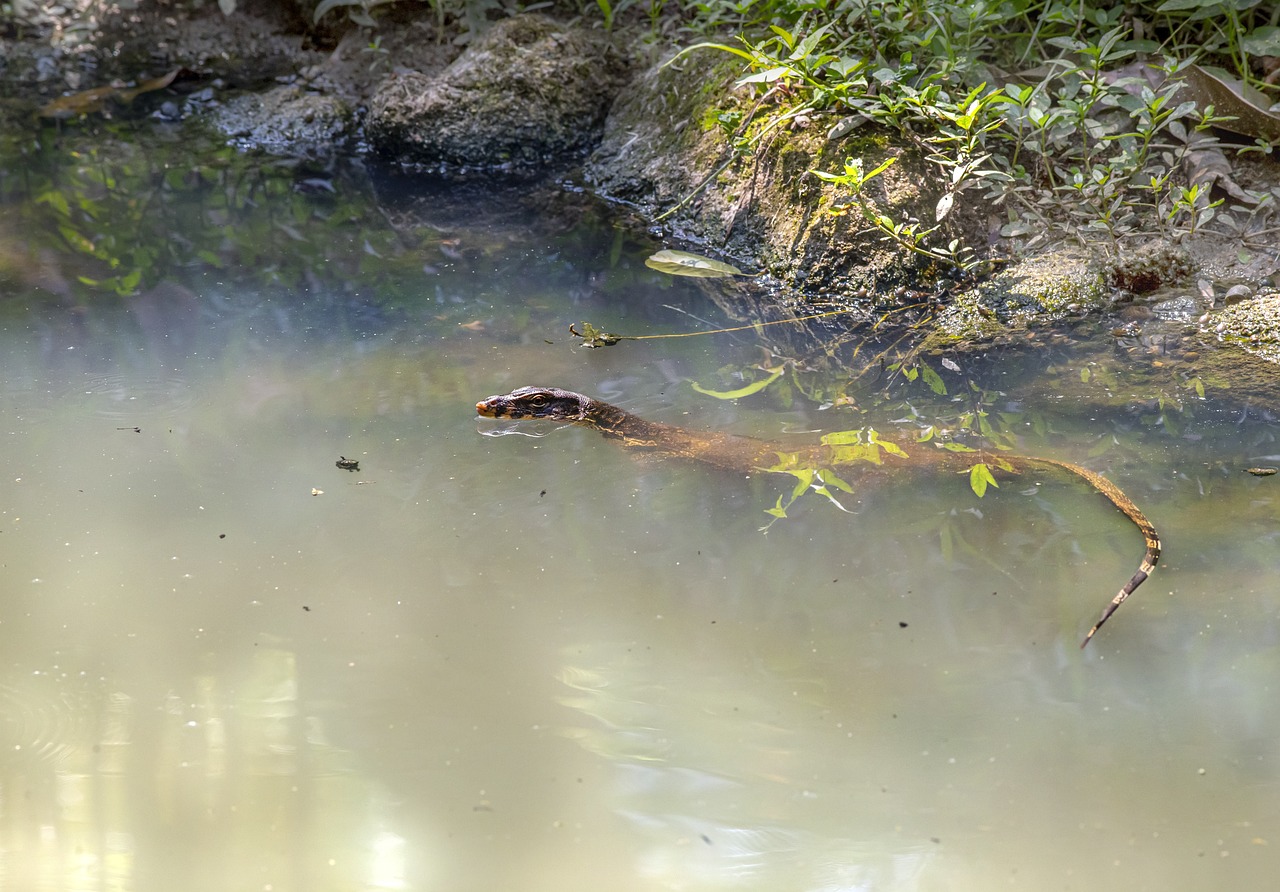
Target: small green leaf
(887, 445)
(1085, 375)
(829, 478)
(76, 240)
(980, 478)
(754, 387)
(768, 76)
(710, 46)
(1264, 41)
(777, 510)
(933, 379)
(129, 282)
(683, 263)
(55, 200)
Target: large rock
(668, 149)
(1253, 324)
(529, 93)
(286, 120)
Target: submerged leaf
(933, 379)
(754, 387)
(980, 478)
(682, 263)
(887, 445)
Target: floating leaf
(980, 478)
(594, 337)
(682, 263)
(829, 478)
(754, 387)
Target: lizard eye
(539, 401)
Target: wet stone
(1176, 309)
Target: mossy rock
(1035, 291)
(286, 120)
(1252, 324)
(529, 93)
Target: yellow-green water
(522, 663)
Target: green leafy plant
(1084, 137)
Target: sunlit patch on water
(44, 717)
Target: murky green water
(511, 663)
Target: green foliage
(1060, 112)
(980, 478)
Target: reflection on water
(501, 662)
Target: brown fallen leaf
(1206, 164)
(472, 326)
(1232, 97)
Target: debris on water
(1261, 472)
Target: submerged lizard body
(747, 454)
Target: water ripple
(39, 721)
(125, 397)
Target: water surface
(541, 664)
